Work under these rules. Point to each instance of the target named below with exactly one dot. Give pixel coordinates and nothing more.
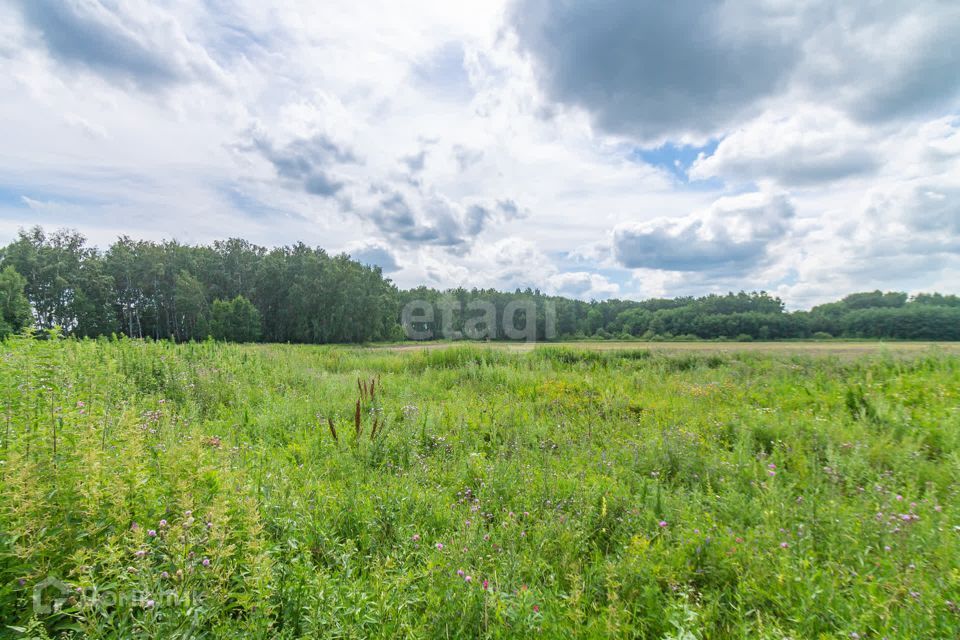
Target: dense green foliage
(14, 306)
(302, 295)
(227, 491)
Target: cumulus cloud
(651, 69)
(805, 147)
(584, 285)
(498, 143)
(733, 235)
(306, 162)
(374, 253)
(131, 41)
(656, 70)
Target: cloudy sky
(613, 148)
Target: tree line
(234, 290)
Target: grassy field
(226, 491)
(839, 348)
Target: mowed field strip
(827, 348)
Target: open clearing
(664, 491)
(827, 348)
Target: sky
(612, 148)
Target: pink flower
(439, 546)
(149, 604)
(662, 524)
(416, 537)
(460, 572)
(536, 608)
(206, 562)
(140, 553)
(467, 579)
(784, 545)
(486, 584)
(938, 508)
(164, 575)
(134, 526)
(163, 523)
(152, 533)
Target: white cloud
(808, 146)
(732, 236)
(481, 143)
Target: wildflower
(468, 523)
(536, 608)
(439, 546)
(467, 579)
(486, 584)
(188, 513)
(662, 524)
(899, 497)
(22, 581)
(486, 536)
(938, 508)
(164, 575)
(149, 604)
(140, 553)
(163, 523)
(81, 404)
(523, 534)
(460, 572)
(206, 562)
(152, 533)
(134, 526)
(771, 466)
(886, 548)
(784, 545)
(416, 537)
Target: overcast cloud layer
(619, 148)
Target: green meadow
(210, 490)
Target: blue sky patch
(677, 160)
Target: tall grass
(210, 490)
